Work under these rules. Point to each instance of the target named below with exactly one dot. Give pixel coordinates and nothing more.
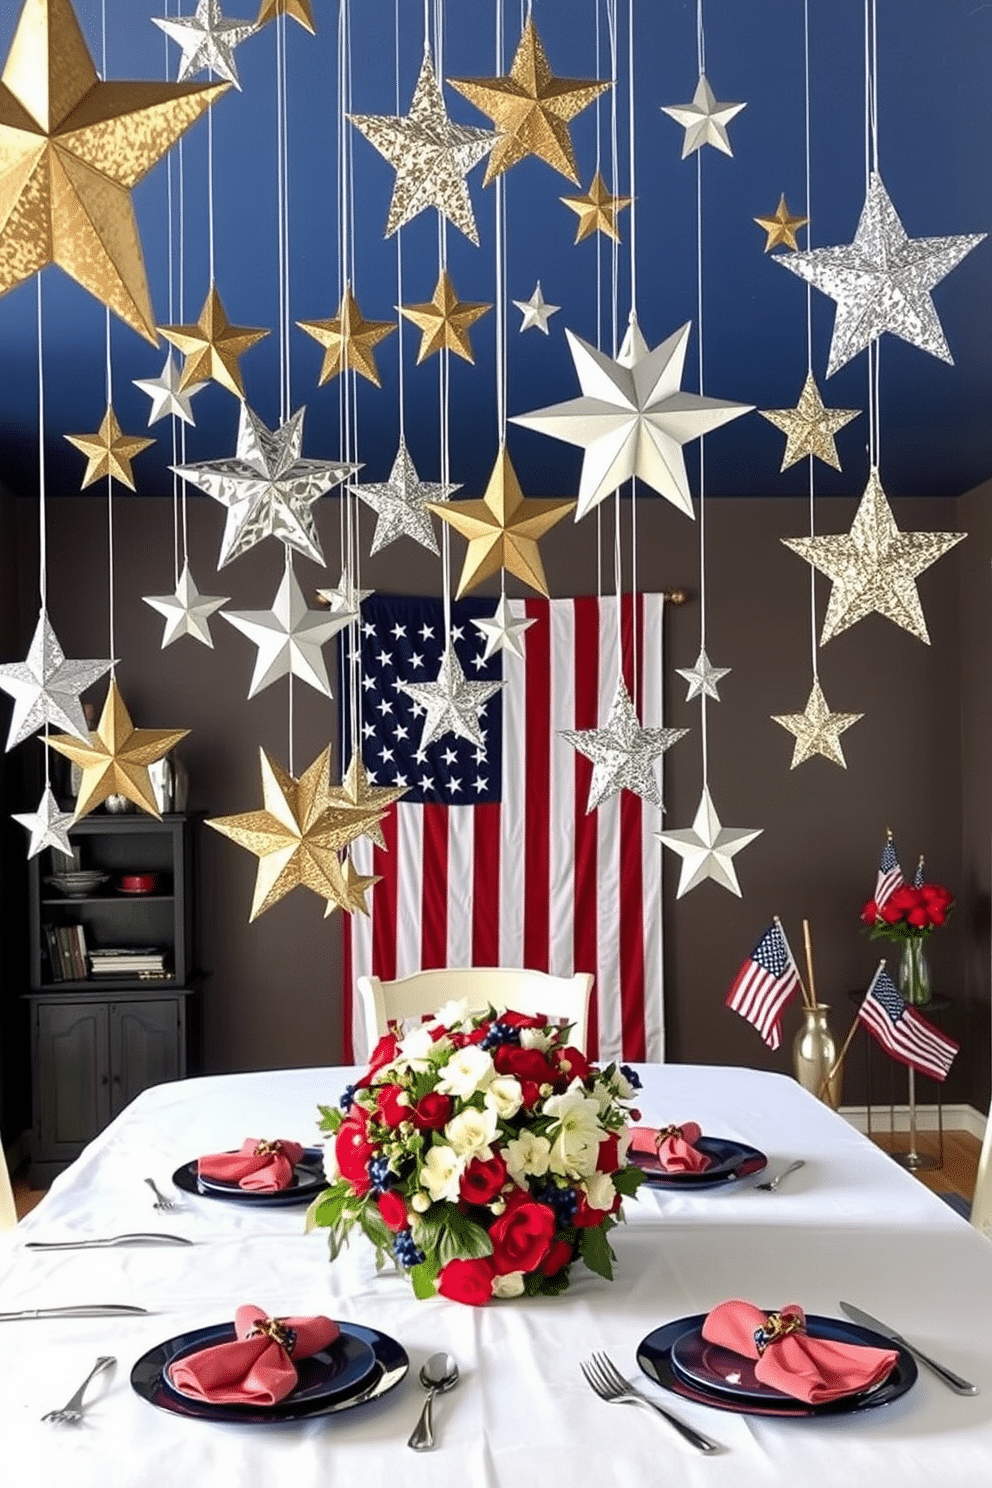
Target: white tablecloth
(851, 1224)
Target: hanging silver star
(289, 637)
(48, 826)
(267, 488)
(536, 311)
(187, 611)
(707, 848)
(623, 753)
(207, 41)
(632, 418)
(503, 632)
(703, 677)
(882, 281)
(46, 688)
(169, 399)
(345, 596)
(704, 120)
(451, 704)
(816, 730)
(400, 504)
(809, 428)
(431, 156)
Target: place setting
(681, 1157)
(261, 1172)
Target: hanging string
(871, 164)
(109, 385)
(176, 483)
(810, 460)
(500, 249)
(182, 319)
(700, 40)
(704, 735)
(632, 220)
(399, 259)
(42, 502)
(611, 22)
(599, 294)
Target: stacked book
(130, 961)
(67, 953)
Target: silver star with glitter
(816, 730)
(207, 40)
(536, 311)
(708, 848)
(269, 491)
(344, 596)
(187, 611)
(400, 504)
(502, 630)
(48, 826)
(169, 400)
(882, 281)
(704, 120)
(623, 753)
(431, 156)
(289, 637)
(632, 418)
(46, 688)
(451, 703)
(703, 677)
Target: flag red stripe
(385, 899)
(631, 876)
(486, 886)
(536, 863)
(434, 924)
(586, 708)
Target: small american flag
(918, 879)
(764, 985)
(901, 1030)
(889, 874)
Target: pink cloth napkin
(672, 1146)
(260, 1166)
(812, 1369)
(256, 1368)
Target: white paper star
(704, 120)
(46, 688)
(345, 596)
(187, 611)
(207, 41)
(703, 677)
(168, 399)
(400, 504)
(48, 826)
(707, 848)
(816, 730)
(289, 637)
(451, 703)
(623, 753)
(536, 311)
(502, 631)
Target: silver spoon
(439, 1374)
(772, 1183)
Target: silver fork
(609, 1384)
(161, 1202)
(72, 1411)
(771, 1184)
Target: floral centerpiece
(910, 914)
(481, 1152)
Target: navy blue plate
(344, 1368)
(308, 1181)
(731, 1161)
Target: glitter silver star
(289, 637)
(503, 632)
(536, 311)
(187, 611)
(207, 40)
(809, 428)
(882, 281)
(623, 753)
(46, 688)
(345, 596)
(704, 120)
(451, 703)
(400, 504)
(707, 848)
(816, 729)
(48, 826)
(169, 398)
(703, 677)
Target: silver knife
(99, 1244)
(951, 1380)
(90, 1309)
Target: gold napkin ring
(664, 1133)
(776, 1325)
(268, 1149)
(277, 1330)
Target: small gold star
(781, 227)
(356, 886)
(809, 428)
(444, 321)
(356, 791)
(597, 210)
(115, 759)
(297, 10)
(349, 340)
(816, 729)
(109, 451)
(213, 347)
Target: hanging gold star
(213, 347)
(115, 760)
(297, 10)
(355, 791)
(109, 451)
(71, 149)
(349, 340)
(502, 529)
(874, 567)
(809, 428)
(444, 321)
(356, 886)
(597, 210)
(531, 108)
(816, 729)
(781, 227)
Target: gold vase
(814, 1053)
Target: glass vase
(914, 973)
(813, 1056)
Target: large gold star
(297, 10)
(809, 428)
(781, 227)
(444, 321)
(349, 340)
(597, 210)
(115, 760)
(71, 149)
(816, 729)
(298, 835)
(356, 886)
(109, 451)
(502, 529)
(356, 792)
(531, 108)
(213, 347)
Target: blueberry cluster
(405, 1250)
(564, 1201)
(631, 1076)
(499, 1034)
(347, 1099)
(380, 1175)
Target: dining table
(849, 1224)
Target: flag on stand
(902, 1031)
(889, 873)
(918, 879)
(764, 984)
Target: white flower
(470, 1132)
(505, 1096)
(414, 1048)
(527, 1154)
(510, 1285)
(441, 1173)
(331, 1169)
(452, 1014)
(625, 1090)
(602, 1095)
(537, 1038)
(468, 1070)
(600, 1191)
(577, 1132)
(420, 1202)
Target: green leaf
(424, 1278)
(337, 1239)
(628, 1180)
(595, 1251)
(553, 1286)
(327, 1208)
(426, 1228)
(461, 1240)
(375, 1227)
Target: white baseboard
(896, 1118)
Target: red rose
(904, 897)
(526, 1064)
(475, 1037)
(890, 912)
(586, 1218)
(432, 1111)
(572, 1063)
(523, 1020)
(530, 1093)
(393, 1209)
(467, 1281)
(870, 912)
(383, 1053)
(937, 914)
(608, 1158)
(482, 1181)
(522, 1237)
(393, 1105)
(353, 1149)
(557, 1258)
(918, 918)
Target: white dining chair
(500, 986)
(981, 1204)
(8, 1213)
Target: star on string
(268, 489)
(115, 758)
(109, 451)
(536, 311)
(874, 567)
(502, 529)
(531, 108)
(207, 40)
(46, 688)
(186, 612)
(290, 638)
(213, 348)
(781, 227)
(708, 848)
(623, 753)
(297, 10)
(444, 321)
(703, 677)
(704, 120)
(48, 826)
(71, 149)
(355, 886)
(632, 418)
(809, 428)
(502, 631)
(169, 398)
(431, 156)
(451, 704)
(597, 210)
(356, 791)
(349, 340)
(402, 504)
(816, 729)
(345, 596)
(882, 281)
